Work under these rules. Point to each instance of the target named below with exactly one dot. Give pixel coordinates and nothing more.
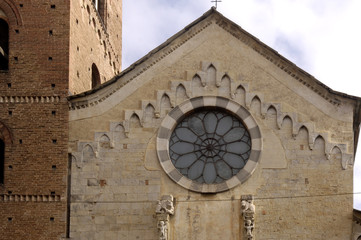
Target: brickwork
(34, 109)
(114, 27)
(93, 42)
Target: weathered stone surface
(304, 165)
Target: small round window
(209, 144)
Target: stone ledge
(29, 99)
(29, 198)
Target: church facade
(212, 135)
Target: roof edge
(186, 29)
(146, 57)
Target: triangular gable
(244, 36)
(95, 96)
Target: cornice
(29, 99)
(29, 198)
(83, 101)
(278, 60)
(73, 104)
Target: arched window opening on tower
(101, 8)
(102, 11)
(4, 45)
(96, 2)
(2, 161)
(95, 76)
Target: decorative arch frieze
(245, 99)
(280, 62)
(89, 152)
(103, 142)
(131, 116)
(249, 96)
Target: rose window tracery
(209, 146)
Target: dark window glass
(210, 146)
(4, 45)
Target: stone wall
(302, 185)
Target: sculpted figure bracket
(165, 205)
(248, 211)
(163, 210)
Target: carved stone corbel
(163, 210)
(248, 211)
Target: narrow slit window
(95, 76)
(2, 161)
(100, 6)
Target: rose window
(209, 146)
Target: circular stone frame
(177, 115)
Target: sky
(321, 37)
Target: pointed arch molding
(80, 102)
(135, 70)
(232, 93)
(12, 12)
(279, 61)
(5, 134)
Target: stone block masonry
(120, 135)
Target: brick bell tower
(48, 51)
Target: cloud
(294, 51)
(147, 24)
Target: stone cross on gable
(216, 2)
